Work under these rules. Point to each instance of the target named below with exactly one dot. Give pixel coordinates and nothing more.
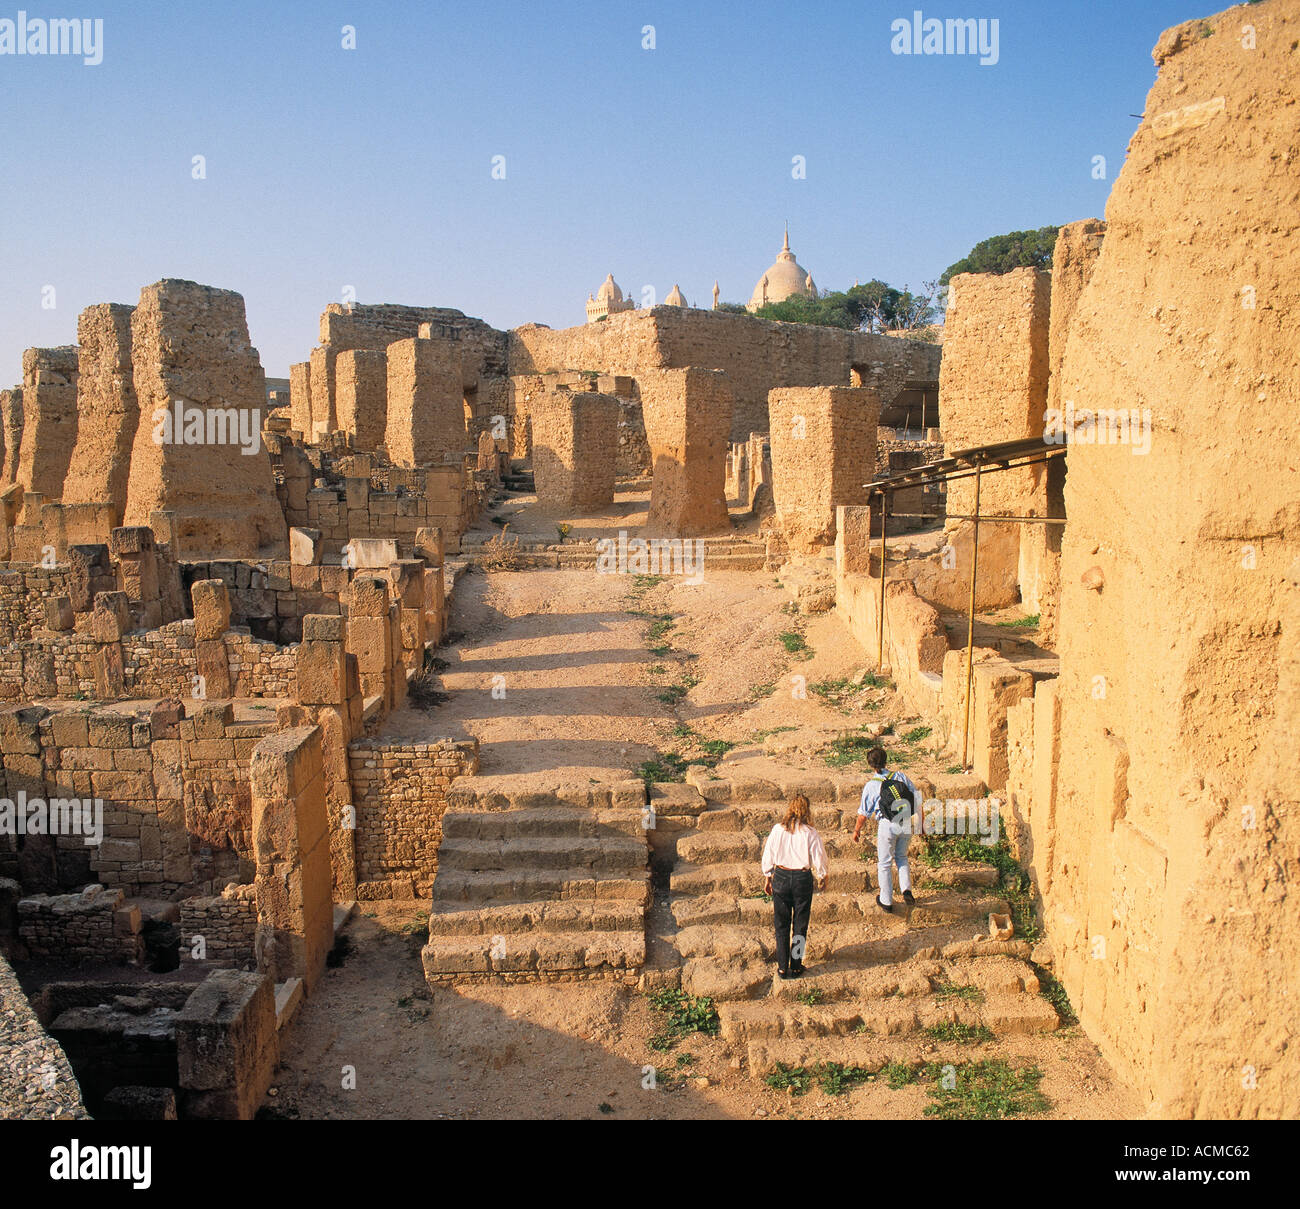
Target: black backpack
(896, 798)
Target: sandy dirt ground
(583, 694)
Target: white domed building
(786, 278)
(676, 297)
(608, 301)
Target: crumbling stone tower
(190, 346)
(688, 425)
(49, 419)
(823, 452)
(426, 402)
(107, 412)
(575, 446)
(361, 396)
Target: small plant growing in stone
(563, 531)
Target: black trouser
(792, 895)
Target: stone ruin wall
(1159, 796)
(1077, 247)
(756, 354)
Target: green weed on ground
(680, 1015)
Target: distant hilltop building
(786, 278)
(608, 301)
(783, 280)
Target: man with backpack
(891, 798)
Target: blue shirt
(870, 804)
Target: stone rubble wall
(400, 795)
(93, 925)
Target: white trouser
(891, 849)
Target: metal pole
(970, 620)
(880, 652)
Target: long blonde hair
(798, 811)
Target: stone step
(842, 916)
(534, 953)
(896, 1035)
(529, 791)
(961, 817)
(723, 847)
(604, 854)
(533, 885)
(541, 821)
(578, 915)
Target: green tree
(1002, 253)
(873, 307)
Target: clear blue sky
(371, 167)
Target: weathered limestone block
(305, 546)
(11, 432)
(426, 402)
(226, 1046)
(361, 396)
(993, 387)
(193, 362)
(687, 419)
(575, 448)
(300, 398)
(211, 602)
(322, 663)
(295, 912)
(823, 452)
(321, 375)
(107, 412)
(1078, 245)
(49, 419)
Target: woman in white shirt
(793, 857)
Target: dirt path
(584, 693)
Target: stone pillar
(49, 419)
(323, 690)
(321, 372)
(361, 396)
(300, 399)
(107, 412)
(426, 402)
(823, 452)
(211, 602)
(226, 1046)
(993, 387)
(198, 379)
(575, 447)
(369, 635)
(688, 424)
(137, 572)
(110, 618)
(11, 429)
(407, 577)
(295, 911)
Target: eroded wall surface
(1174, 834)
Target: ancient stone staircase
(870, 976)
(539, 883)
